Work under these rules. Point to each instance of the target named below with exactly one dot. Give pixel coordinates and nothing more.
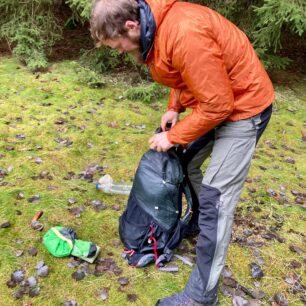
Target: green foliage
(82, 7)
(146, 93)
(228, 8)
(265, 22)
(273, 17)
(31, 28)
(101, 60)
(272, 61)
(105, 59)
(89, 77)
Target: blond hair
(108, 18)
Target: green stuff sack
(83, 248)
(59, 241)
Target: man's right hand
(169, 116)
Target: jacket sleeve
(198, 58)
(174, 101)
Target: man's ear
(131, 25)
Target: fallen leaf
(256, 271)
(60, 121)
(38, 160)
(116, 207)
(280, 300)
(5, 224)
(34, 291)
(227, 291)
(123, 281)
(296, 249)
(251, 189)
(17, 276)
(271, 192)
(226, 272)
(18, 253)
(40, 264)
(32, 251)
(113, 124)
(19, 293)
(74, 263)
(270, 144)
(254, 302)
(117, 271)
(289, 160)
(294, 264)
(64, 141)
(11, 284)
(70, 303)
(72, 201)
(131, 297)
(257, 294)
(43, 271)
(78, 275)
(34, 198)
(239, 301)
(20, 136)
(296, 193)
(229, 281)
(76, 211)
(32, 281)
(103, 293)
(299, 200)
(116, 242)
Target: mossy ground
(111, 131)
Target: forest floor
(58, 136)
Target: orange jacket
(210, 65)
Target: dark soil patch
(74, 38)
(4, 48)
(73, 41)
(294, 47)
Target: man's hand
(169, 116)
(160, 142)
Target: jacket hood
(147, 28)
(160, 8)
(152, 13)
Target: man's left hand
(160, 142)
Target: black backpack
(152, 225)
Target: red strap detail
(155, 243)
(129, 252)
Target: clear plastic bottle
(107, 185)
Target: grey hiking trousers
(231, 146)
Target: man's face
(129, 43)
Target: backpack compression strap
(188, 212)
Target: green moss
(113, 132)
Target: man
(212, 69)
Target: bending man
(213, 69)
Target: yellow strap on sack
(57, 233)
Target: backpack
(152, 225)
